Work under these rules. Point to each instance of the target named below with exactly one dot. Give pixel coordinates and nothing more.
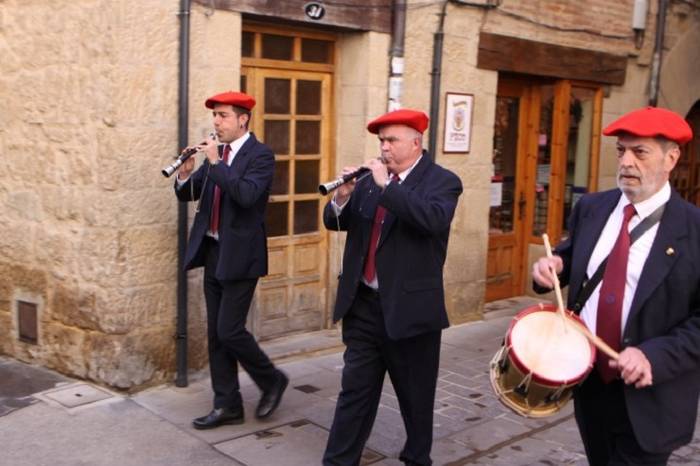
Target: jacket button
(626, 341)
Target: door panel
(507, 211)
(294, 120)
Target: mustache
(628, 173)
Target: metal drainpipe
(658, 49)
(182, 128)
(435, 82)
(396, 53)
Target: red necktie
(370, 266)
(612, 292)
(216, 205)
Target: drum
(541, 361)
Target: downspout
(435, 81)
(182, 130)
(396, 54)
(658, 49)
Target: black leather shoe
(219, 417)
(271, 398)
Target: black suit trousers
(606, 431)
(412, 364)
(230, 343)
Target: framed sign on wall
(458, 122)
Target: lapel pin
(670, 251)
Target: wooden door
(506, 247)
(293, 117)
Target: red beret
(652, 122)
(405, 116)
(238, 99)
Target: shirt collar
(648, 206)
(238, 143)
(406, 172)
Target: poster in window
(458, 122)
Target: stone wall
(89, 118)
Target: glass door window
(544, 160)
(578, 155)
(505, 146)
(567, 142)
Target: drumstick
(597, 341)
(555, 279)
(593, 338)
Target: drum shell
(524, 391)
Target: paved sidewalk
(72, 423)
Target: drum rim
(546, 307)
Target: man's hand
(634, 367)
(544, 269)
(210, 148)
(380, 174)
(345, 190)
(186, 169)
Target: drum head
(543, 343)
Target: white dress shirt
(639, 252)
(235, 147)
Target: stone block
(132, 360)
(74, 306)
(150, 253)
(101, 257)
(64, 349)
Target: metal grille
(27, 319)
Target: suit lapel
(408, 184)
(672, 228)
(243, 153)
(588, 230)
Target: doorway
(545, 157)
(290, 74)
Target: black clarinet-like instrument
(335, 184)
(180, 159)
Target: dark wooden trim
(359, 15)
(511, 54)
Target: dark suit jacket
(411, 251)
(245, 188)
(664, 318)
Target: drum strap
(590, 284)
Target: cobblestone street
(73, 422)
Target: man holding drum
(646, 305)
(391, 295)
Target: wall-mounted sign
(458, 122)
(314, 10)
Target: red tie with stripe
(370, 266)
(216, 204)
(612, 292)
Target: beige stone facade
(89, 117)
